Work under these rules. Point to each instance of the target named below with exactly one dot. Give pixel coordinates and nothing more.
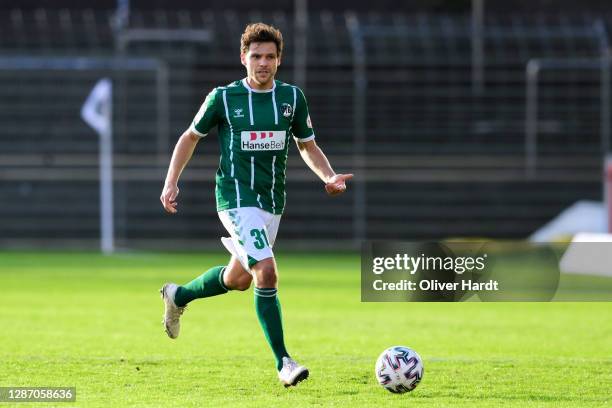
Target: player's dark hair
(260, 32)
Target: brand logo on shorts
(263, 140)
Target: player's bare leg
(269, 314)
(236, 277)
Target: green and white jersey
(254, 133)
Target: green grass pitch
(90, 321)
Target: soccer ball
(399, 369)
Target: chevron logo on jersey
(260, 135)
(263, 140)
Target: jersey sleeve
(208, 116)
(302, 126)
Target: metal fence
(392, 97)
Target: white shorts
(252, 234)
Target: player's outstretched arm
(317, 161)
(180, 157)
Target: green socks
(269, 314)
(210, 283)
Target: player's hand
(168, 197)
(337, 184)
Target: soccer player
(255, 117)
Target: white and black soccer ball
(399, 369)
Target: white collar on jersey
(246, 85)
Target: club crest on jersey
(287, 110)
(238, 113)
(262, 140)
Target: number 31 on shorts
(261, 240)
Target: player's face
(261, 62)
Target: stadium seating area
(442, 156)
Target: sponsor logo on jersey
(308, 122)
(263, 140)
(238, 113)
(287, 110)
